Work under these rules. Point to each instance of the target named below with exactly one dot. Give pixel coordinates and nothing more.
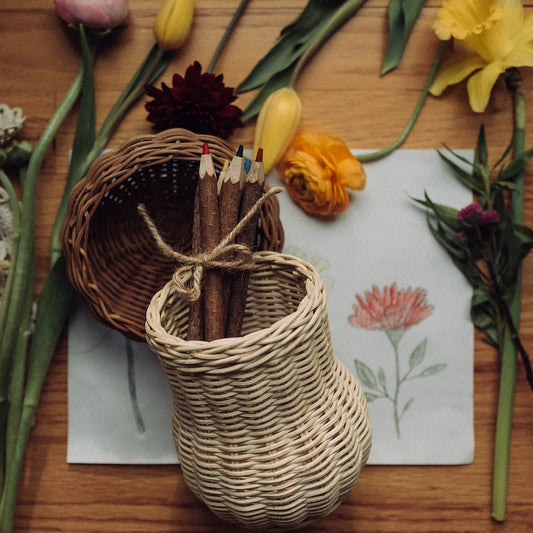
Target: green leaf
(382, 380)
(52, 311)
(402, 17)
(432, 370)
(279, 80)
(86, 125)
(370, 397)
(471, 180)
(481, 154)
(511, 171)
(407, 406)
(294, 40)
(365, 374)
(418, 354)
(447, 215)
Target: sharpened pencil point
(239, 151)
(206, 148)
(259, 156)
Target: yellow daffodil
(173, 23)
(276, 125)
(489, 36)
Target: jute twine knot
(188, 277)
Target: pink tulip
(93, 13)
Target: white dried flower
(6, 233)
(11, 120)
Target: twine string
(188, 277)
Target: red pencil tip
(206, 148)
(259, 156)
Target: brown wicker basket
(270, 428)
(112, 260)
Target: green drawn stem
(394, 336)
(141, 428)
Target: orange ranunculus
(317, 172)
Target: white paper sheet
(380, 240)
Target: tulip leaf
(278, 81)
(294, 39)
(402, 17)
(292, 43)
(311, 14)
(86, 126)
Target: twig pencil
(195, 326)
(229, 202)
(252, 191)
(210, 237)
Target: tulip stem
(226, 35)
(154, 63)
(373, 156)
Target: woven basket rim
(169, 141)
(104, 179)
(211, 349)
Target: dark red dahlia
(197, 102)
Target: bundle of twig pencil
(220, 204)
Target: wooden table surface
(343, 95)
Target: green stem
(15, 238)
(395, 336)
(141, 428)
(18, 374)
(26, 243)
(151, 67)
(56, 295)
(84, 135)
(372, 156)
(340, 17)
(504, 417)
(226, 35)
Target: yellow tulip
(173, 23)
(277, 123)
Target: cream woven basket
(270, 428)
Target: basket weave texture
(112, 259)
(270, 428)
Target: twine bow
(188, 277)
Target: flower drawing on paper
(393, 311)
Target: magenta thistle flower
(197, 102)
(470, 211)
(489, 216)
(392, 310)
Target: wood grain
(343, 95)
